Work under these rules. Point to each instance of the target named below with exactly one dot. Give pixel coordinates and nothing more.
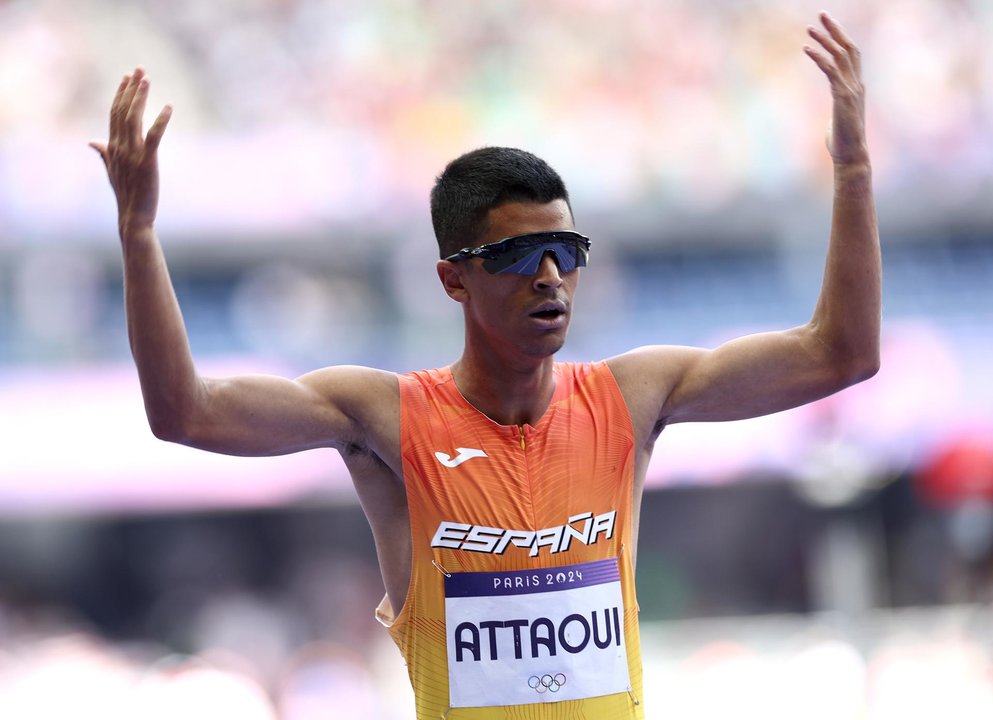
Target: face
(526, 313)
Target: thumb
(154, 135)
(100, 148)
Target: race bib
(532, 636)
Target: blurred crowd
(52, 673)
(267, 615)
(635, 101)
(892, 666)
(199, 616)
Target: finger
(116, 108)
(155, 132)
(822, 61)
(834, 39)
(126, 132)
(841, 37)
(136, 112)
(841, 58)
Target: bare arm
(839, 346)
(248, 415)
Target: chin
(547, 346)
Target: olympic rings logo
(546, 683)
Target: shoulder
(354, 380)
(369, 398)
(364, 394)
(646, 377)
(653, 365)
(570, 376)
(426, 378)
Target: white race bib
(531, 636)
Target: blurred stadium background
(830, 562)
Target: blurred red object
(960, 471)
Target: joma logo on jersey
(463, 455)
(480, 538)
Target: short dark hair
(478, 181)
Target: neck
(508, 394)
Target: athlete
(503, 490)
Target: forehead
(518, 218)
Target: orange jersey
(521, 603)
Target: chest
(466, 469)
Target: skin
(505, 369)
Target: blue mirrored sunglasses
(522, 254)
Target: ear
(450, 275)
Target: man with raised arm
(503, 490)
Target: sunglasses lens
(525, 260)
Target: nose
(548, 274)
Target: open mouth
(549, 311)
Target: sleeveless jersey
(521, 603)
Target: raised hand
(131, 158)
(840, 60)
